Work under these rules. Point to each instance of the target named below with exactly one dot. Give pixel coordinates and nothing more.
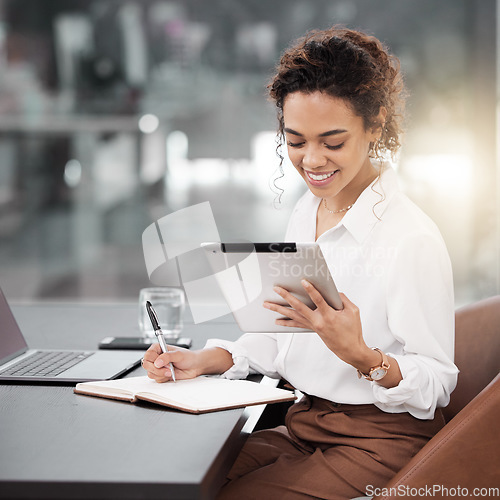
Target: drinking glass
(168, 304)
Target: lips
(320, 178)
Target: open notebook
(198, 395)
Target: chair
(465, 454)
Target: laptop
(19, 363)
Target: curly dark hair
(350, 65)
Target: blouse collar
(370, 205)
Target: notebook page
(205, 393)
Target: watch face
(378, 373)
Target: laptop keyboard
(46, 363)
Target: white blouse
(390, 260)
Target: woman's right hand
(185, 363)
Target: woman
(374, 373)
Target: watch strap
(384, 365)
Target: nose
(313, 158)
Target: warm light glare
(448, 172)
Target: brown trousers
(327, 450)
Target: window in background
(113, 114)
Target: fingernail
(159, 363)
(266, 305)
(305, 283)
(277, 289)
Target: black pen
(159, 334)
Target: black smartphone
(139, 343)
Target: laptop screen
(12, 342)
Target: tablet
(247, 272)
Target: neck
(346, 198)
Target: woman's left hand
(340, 330)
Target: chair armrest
(463, 454)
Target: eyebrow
(324, 134)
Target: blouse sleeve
(420, 312)
(252, 353)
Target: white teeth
(322, 177)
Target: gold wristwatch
(377, 372)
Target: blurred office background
(114, 113)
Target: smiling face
(329, 145)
